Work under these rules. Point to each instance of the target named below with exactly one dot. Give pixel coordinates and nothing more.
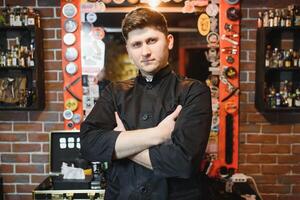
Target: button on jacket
(141, 104)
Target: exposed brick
(52, 44)
(249, 169)
(26, 147)
(261, 158)
(58, 55)
(25, 188)
(28, 127)
(248, 108)
(296, 169)
(40, 158)
(296, 188)
(289, 197)
(38, 178)
(15, 158)
(45, 147)
(5, 148)
(269, 196)
(4, 168)
(245, 148)
(248, 23)
(46, 12)
(289, 179)
(48, 3)
(251, 45)
(296, 128)
(54, 106)
(276, 169)
(13, 116)
(5, 127)
(50, 23)
(51, 75)
(265, 179)
(52, 65)
(48, 34)
(264, 139)
(58, 12)
(48, 55)
(18, 197)
(54, 126)
(51, 96)
(58, 33)
(247, 65)
(289, 139)
(288, 159)
(281, 189)
(275, 149)
(296, 149)
(11, 137)
(258, 117)
(30, 168)
(247, 86)
(249, 128)
(16, 178)
(252, 34)
(43, 116)
(277, 128)
(38, 137)
(53, 86)
(9, 189)
(21, 2)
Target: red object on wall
(76, 89)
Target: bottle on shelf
(295, 59)
(274, 58)
(297, 98)
(280, 58)
(268, 56)
(277, 18)
(287, 59)
(266, 19)
(271, 18)
(260, 20)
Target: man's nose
(146, 50)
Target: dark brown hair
(143, 17)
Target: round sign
(69, 10)
(69, 39)
(71, 104)
(76, 118)
(71, 54)
(91, 17)
(67, 114)
(98, 33)
(71, 68)
(70, 25)
(203, 24)
(212, 9)
(232, 1)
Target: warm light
(153, 3)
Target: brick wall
(24, 146)
(269, 143)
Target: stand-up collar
(157, 77)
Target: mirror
(187, 57)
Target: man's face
(149, 49)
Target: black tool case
(64, 147)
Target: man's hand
(120, 125)
(166, 126)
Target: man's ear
(170, 39)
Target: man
(153, 130)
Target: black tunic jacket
(142, 104)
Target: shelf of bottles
(19, 16)
(282, 85)
(285, 17)
(17, 56)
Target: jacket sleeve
(181, 156)
(96, 133)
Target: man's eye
(136, 45)
(152, 41)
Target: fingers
(120, 125)
(176, 112)
(118, 120)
